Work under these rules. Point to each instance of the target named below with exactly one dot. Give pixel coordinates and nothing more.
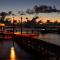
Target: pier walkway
(36, 48)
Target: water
(10, 52)
(50, 37)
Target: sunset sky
(17, 5)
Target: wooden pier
(41, 49)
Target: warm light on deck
(12, 54)
(2, 24)
(19, 32)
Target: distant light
(2, 24)
(17, 33)
(43, 29)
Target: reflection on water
(12, 51)
(12, 54)
(9, 50)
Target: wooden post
(21, 25)
(13, 31)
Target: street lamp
(21, 25)
(13, 30)
(13, 26)
(21, 13)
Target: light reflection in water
(12, 54)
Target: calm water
(51, 38)
(10, 52)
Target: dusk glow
(18, 5)
(29, 29)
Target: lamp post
(13, 23)
(13, 26)
(21, 13)
(21, 25)
(13, 30)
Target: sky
(6, 5)
(18, 5)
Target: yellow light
(12, 54)
(2, 24)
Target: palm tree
(11, 13)
(48, 21)
(56, 21)
(3, 15)
(40, 22)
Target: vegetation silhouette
(3, 15)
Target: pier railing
(43, 49)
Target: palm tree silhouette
(3, 15)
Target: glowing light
(17, 33)
(12, 54)
(2, 24)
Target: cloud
(42, 9)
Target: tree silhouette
(34, 19)
(56, 21)
(10, 12)
(40, 22)
(48, 21)
(13, 15)
(3, 15)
